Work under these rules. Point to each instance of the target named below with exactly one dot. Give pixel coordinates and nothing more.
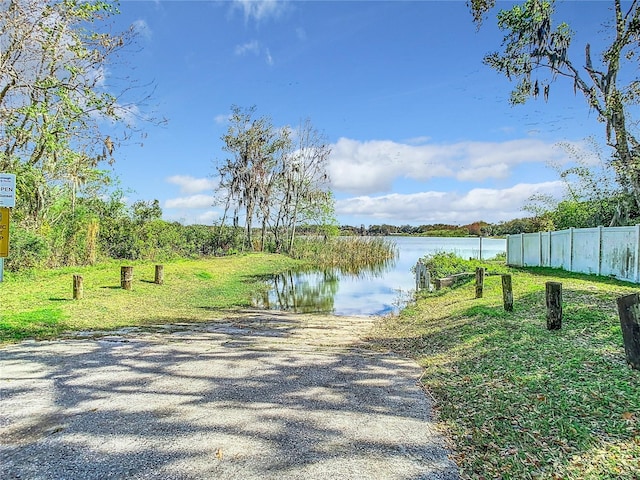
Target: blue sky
(421, 131)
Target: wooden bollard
(126, 277)
(78, 289)
(159, 278)
(507, 293)
(554, 305)
(479, 281)
(629, 313)
(419, 275)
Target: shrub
(26, 249)
(444, 264)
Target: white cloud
(190, 217)
(491, 205)
(249, 47)
(142, 28)
(260, 10)
(254, 48)
(189, 184)
(373, 166)
(207, 218)
(222, 118)
(192, 201)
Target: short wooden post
(629, 313)
(479, 281)
(159, 279)
(421, 276)
(507, 293)
(554, 305)
(78, 289)
(126, 277)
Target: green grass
(40, 304)
(519, 401)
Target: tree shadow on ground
(216, 402)
(518, 393)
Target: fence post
(540, 248)
(507, 293)
(522, 250)
(599, 249)
(159, 277)
(549, 249)
(629, 313)
(479, 281)
(126, 277)
(507, 250)
(554, 305)
(78, 289)
(571, 249)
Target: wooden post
(507, 293)
(159, 280)
(629, 313)
(479, 281)
(78, 289)
(507, 250)
(126, 277)
(554, 305)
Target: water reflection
(301, 292)
(341, 292)
(377, 290)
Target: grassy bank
(40, 305)
(521, 402)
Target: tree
(55, 104)
(305, 194)
(144, 212)
(248, 176)
(592, 197)
(270, 179)
(535, 53)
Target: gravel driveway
(265, 395)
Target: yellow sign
(4, 232)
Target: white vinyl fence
(613, 251)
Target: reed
(347, 254)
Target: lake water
(372, 293)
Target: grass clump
(519, 401)
(348, 254)
(38, 304)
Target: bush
(26, 249)
(444, 264)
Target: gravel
(266, 395)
